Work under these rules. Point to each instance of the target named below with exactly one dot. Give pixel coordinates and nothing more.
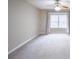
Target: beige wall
(58, 30)
(43, 18)
(23, 22)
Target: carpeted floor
(52, 46)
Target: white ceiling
(46, 4)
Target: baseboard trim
(22, 44)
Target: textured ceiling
(46, 4)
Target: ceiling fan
(58, 5)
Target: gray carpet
(52, 46)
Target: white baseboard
(22, 44)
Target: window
(58, 20)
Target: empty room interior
(38, 29)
